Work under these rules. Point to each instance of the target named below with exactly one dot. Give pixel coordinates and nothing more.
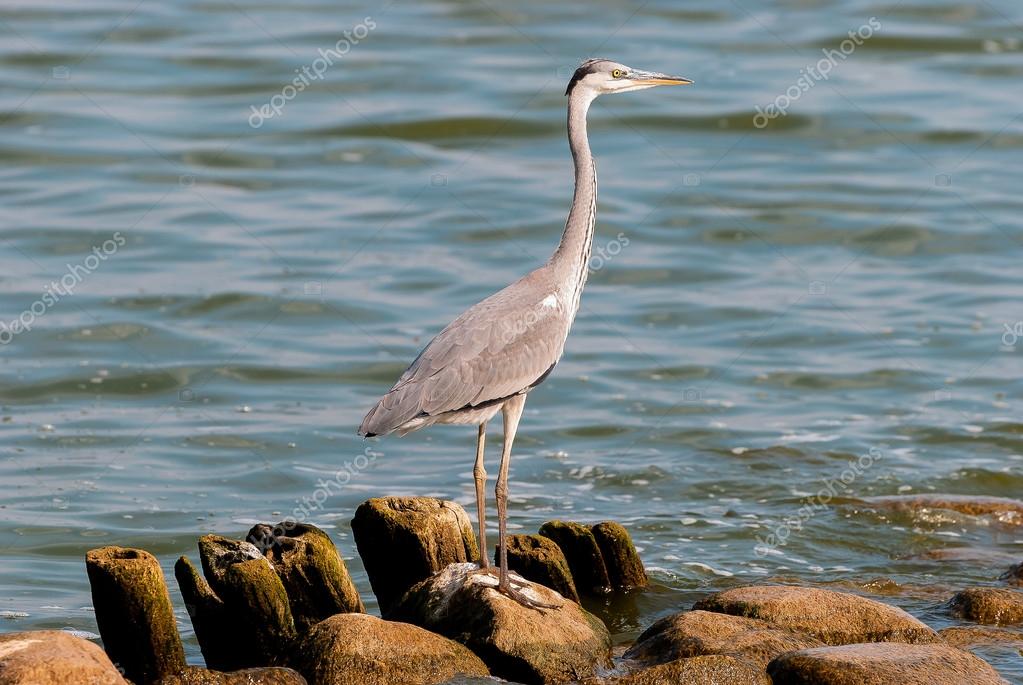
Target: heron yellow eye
(617, 73)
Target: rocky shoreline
(280, 608)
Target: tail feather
(382, 420)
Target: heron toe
(512, 593)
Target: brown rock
(624, 568)
(699, 670)
(1014, 576)
(134, 614)
(999, 606)
(1003, 509)
(313, 573)
(836, 618)
(969, 636)
(358, 649)
(405, 540)
(585, 560)
(698, 633)
(193, 675)
(540, 560)
(517, 643)
(54, 657)
(973, 555)
(882, 663)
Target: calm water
(241, 282)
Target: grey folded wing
(498, 348)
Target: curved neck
(572, 256)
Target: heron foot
(487, 570)
(509, 591)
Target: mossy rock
(539, 559)
(358, 649)
(313, 574)
(585, 560)
(518, 643)
(835, 618)
(624, 567)
(701, 633)
(405, 540)
(882, 663)
(996, 606)
(700, 670)
(273, 675)
(134, 613)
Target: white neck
(570, 260)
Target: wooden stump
(134, 614)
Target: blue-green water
(769, 302)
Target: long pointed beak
(653, 78)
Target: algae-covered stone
(272, 675)
(998, 606)
(254, 599)
(213, 628)
(585, 560)
(311, 570)
(405, 540)
(517, 643)
(133, 612)
(539, 559)
(358, 649)
(882, 663)
(217, 554)
(54, 657)
(971, 636)
(624, 568)
(1002, 509)
(1013, 576)
(835, 618)
(701, 670)
(698, 633)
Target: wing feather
(497, 348)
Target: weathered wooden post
(583, 555)
(254, 598)
(404, 540)
(133, 612)
(624, 567)
(539, 559)
(311, 569)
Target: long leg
(512, 410)
(479, 474)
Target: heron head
(601, 76)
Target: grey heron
(491, 356)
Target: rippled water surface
(768, 303)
